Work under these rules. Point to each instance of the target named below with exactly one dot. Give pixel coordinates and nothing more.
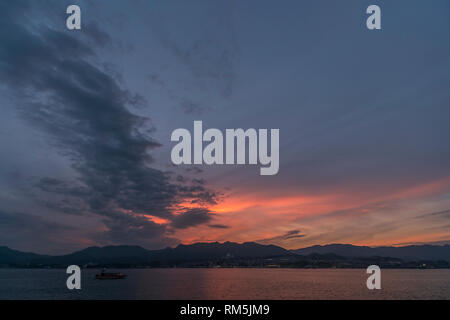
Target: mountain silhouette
(229, 254)
(216, 250)
(132, 255)
(14, 257)
(415, 252)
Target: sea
(224, 283)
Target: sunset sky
(87, 117)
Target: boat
(109, 275)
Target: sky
(87, 117)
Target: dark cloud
(27, 223)
(191, 218)
(72, 206)
(438, 216)
(218, 226)
(25, 231)
(195, 170)
(134, 230)
(289, 235)
(292, 235)
(97, 36)
(85, 113)
(180, 178)
(198, 181)
(444, 214)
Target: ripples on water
(227, 284)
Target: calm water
(227, 284)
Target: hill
(231, 254)
(13, 257)
(408, 253)
(135, 255)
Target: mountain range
(231, 254)
(414, 252)
(135, 255)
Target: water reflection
(227, 284)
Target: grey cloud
(292, 234)
(444, 214)
(191, 218)
(198, 181)
(195, 170)
(85, 113)
(190, 107)
(212, 55)
(27, 223)
(218, 226)
(156, 79)
(134, 230)
(96, 35)
(289, 235)
(27, 231)
(180, 178)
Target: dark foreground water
(227, 284)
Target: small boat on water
(109, 275)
